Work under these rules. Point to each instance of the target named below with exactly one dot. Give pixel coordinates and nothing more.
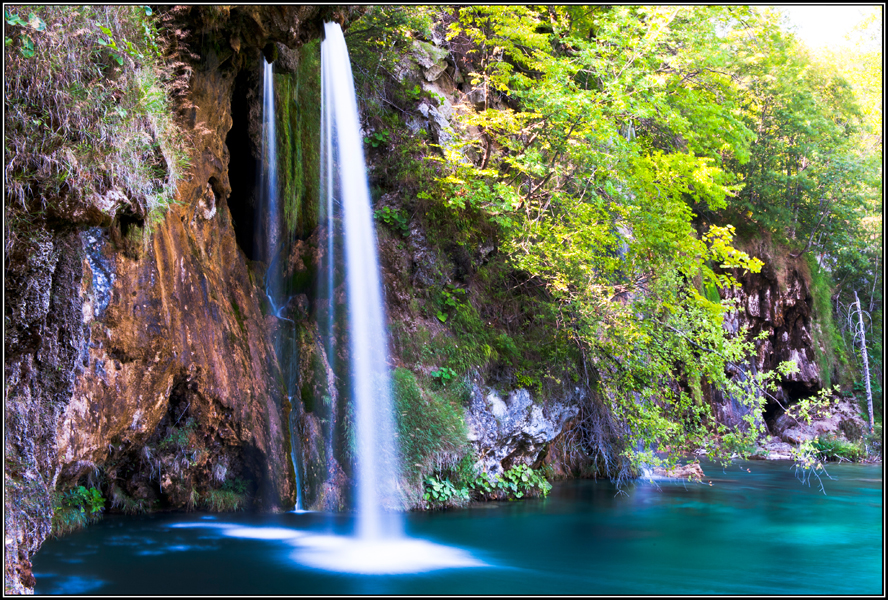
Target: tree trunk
(866, 374)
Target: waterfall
(344, 181)
(268, 195)
(269, 239)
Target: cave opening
(772, 412)
(243, 168)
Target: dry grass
(77, 123)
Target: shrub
(831, 447)
(66, 519)
(442, 492)
(224, 501)
(516, 483)
(75, 509)
(395, 218)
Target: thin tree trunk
(866, 374)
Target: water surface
(751, 532)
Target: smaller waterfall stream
(270, 237)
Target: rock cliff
(137, 352)
(778, 302)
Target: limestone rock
(841, 418)
(431, 59)
(691, 471)
(777, 300)
(287, 60)
(96, 209)
(440, 126)
(777, 449)
(477, 98)
(514, 430)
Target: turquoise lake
(755, 531)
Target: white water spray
(344, 180)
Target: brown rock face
(777, 301)
(145, 355)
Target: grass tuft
(84, 117)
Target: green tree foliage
(615, 129)
(613, 151)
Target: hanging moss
(298, 128)
(829, 347)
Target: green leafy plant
(126, 46)
(378, 139)
(87, 500)
(515, 483)
(179, 438)
(34, 22)
(442, 491)
(236, 485)
(452, 298)
(75, 509)
(484, 484)
(443, 375)
(395, 218)
(522, 480)
(414, 94)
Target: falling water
(344, 179)
(269, 237)
(268, 195)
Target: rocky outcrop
(512, 430)
(840, 418)
(690, 472)
(778, 301)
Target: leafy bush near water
(75, 509)
(833, 448)
(518, 482)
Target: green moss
(431, 429)
(302, 281)
(238, 316)
(829, 346)
(298, 127)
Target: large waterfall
(344, 180)
(366, 426)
